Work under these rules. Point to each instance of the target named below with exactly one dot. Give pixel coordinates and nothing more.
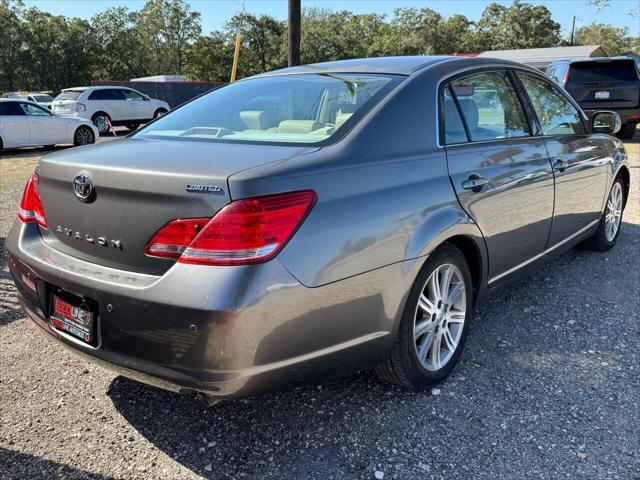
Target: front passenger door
(579, 161)
(500, 172)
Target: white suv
(104, 105)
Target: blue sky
(216, 12)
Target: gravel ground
(548, 387)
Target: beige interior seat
(299, 126)
(256, 119)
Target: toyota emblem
(83, 187)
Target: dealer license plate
(74, 317)
(602, 95)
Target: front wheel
(609, 227)
(434, 324)
(159, 112)
(83, 136)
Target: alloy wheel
(613, 214)
(439, 317)
(84, 136)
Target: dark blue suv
(603, 83)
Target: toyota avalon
(314, 220)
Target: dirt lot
(548, 387)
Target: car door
(578, 158)
(44, 128)
(501, 172)
(14, 125)
(139, 107)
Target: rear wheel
(609, 226)
(627, 131)
(101, 120)
(434, 324)
(83, 136)
(132, 126)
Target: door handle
(474, 183)
(561, 165)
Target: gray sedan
(314, 220)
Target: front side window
(131, 95)
(33, 110)
(490, 106)
(296, 109)
(556, 114)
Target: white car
(109, 105)
(27, 124)
(43, 99)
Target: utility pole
(294, 33)
(573, 29)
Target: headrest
(347, 107)
(451, 117)
(299, 126)
(470, 112)
(256, 119)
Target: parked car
(607, 83)
(28, 124)
(314, 220)
(43, 99)
(114, 105)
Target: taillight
(31, 206)
(251, 230)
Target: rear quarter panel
(384, 194)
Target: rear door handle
(561, 165)
(474, 183)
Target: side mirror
(606, 122)
(146, 98)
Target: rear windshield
(285, 109)
(42, 98)
(616, 71)
(69, 95)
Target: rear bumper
(230, 332)
(626, 114)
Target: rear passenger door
(499, 170)
(579, 159)
(14, 125)
(112, 102)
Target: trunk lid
(139, 185)
(604, 84)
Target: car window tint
(97, 95)
(610, 71)
(490, 106)
(10, 108)
(33, 110)
(131, 95)
(116, 94)
(453, 126)
(556, 114)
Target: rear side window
(10, 108)
(556, 114)
(69, 95)
(615, 71)
(489, 106)
(454, 128)
(107, 94)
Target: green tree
(521, 25)
(118, 40)
(262, 42)
(614, 40)
(11, 36)
(168, 28)
(210, 58)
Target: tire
(605, 236)
(159, 112)
(83, 136)
(132, 126)
(404, 367)
(627, 131)
(100, 121)
(0, 144)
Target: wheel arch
(623, 173)
(95, 114)
(474, 257)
